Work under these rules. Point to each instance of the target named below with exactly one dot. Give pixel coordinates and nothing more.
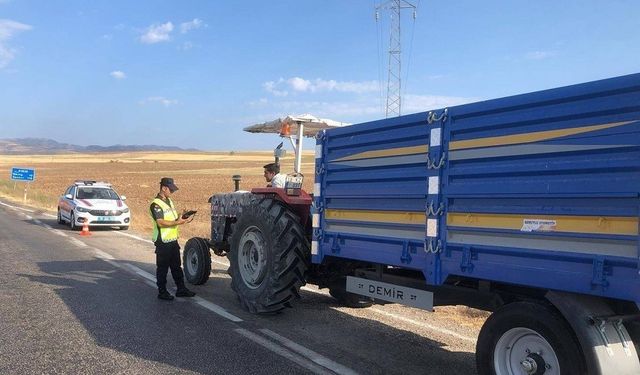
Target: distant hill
(17, 146)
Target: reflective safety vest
(167, 234)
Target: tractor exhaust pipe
(236, 180)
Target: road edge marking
(282, 351)
(310, 354)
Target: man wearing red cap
(165, 236)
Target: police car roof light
(91, 183)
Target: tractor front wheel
(196, 259)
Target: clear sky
(194, 73)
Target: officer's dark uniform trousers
(168, 257)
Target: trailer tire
(269, 256)
(196, 259)
(524, 335)
(338, 290)
(633, 328)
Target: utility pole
(394, 75)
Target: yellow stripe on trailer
(546, 223)
(392, 217)
(399, 151)
(529, 137)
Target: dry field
(137, 175)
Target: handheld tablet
(188, 213)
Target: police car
(94, 203)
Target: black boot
(184, 292)
(163, 294)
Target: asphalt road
(74, 304)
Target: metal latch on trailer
(421, 299)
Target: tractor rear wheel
(268, 257)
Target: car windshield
(93, 193)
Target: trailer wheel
(528, 338)
(268, 257)
(197, 261)
(338, 290)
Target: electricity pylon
(394, 75)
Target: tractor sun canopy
(290, 125)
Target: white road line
(424, 325)
(16, 207)
(102, 255)
(216, 309)
(77, 242)
(55, 231)
(134, 236)
(281, 351)
(113, 263)
(150, 283)
(141, 272)
(313, 356)
(199, 300)
(59, 233)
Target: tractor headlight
(81, 209)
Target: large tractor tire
(268, 257)
(196, 259)
(528, 338)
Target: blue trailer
(527, 206)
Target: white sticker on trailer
(316, 221)
(538, 225)
(432, 227)
(421, 299)
(314, 247)
(318, 151)
(435, 136)
(434, 185)
(316, 190)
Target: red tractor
(266, 235)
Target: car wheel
(72, 222)
(60, 220)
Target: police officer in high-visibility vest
(165, 237)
